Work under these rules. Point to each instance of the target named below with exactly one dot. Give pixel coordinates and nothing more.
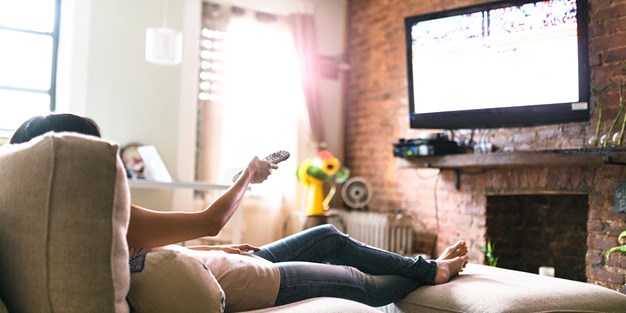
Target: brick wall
(376, 117)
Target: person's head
(39, 125)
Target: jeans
(323, 262)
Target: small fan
(356, 192)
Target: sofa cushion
(250, 282)
(168, 281)
(320, 305)
(487, 289)
(64, 210)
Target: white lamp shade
(164, 46)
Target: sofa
(64, 210)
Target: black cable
(434, 247)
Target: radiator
(391, 232)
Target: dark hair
(39, 125)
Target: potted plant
(492, 260)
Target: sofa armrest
(486, 289)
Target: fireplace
(569, 197)
(530, 231)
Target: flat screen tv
(499, 64)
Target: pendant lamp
(164, 45)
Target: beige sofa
(64, 203)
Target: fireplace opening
(530, 231)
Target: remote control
(276, 157)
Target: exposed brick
(376, 116)
(617, 260)
(606, 276)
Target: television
(499, 64)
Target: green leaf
(614, 249)
(621, 235)
(342, 175)
(317, 173)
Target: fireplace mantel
(580, 157)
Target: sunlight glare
(261, 88)
(35, 15)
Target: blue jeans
(324, 262)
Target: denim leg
(325, 244)
(304, 280)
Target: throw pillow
(167, 281)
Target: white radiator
(388, 231)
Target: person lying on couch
(316, 262)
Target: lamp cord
(165, 5)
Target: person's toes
(457, 249)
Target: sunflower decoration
(315, 173)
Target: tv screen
(499, 64)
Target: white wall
(103, 74)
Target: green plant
(597, 93)
(492, 260)
(621, 248)
(620, 86)
(620, 109)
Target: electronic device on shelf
(507, 63)
(437, 144)
(153, 166)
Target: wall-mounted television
(499, 64)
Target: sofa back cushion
(64, 210)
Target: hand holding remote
(276, 157)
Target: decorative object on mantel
(620, 198)
(164, 45)
(610, 138)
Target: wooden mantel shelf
(582, 157)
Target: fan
(356, 192)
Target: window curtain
(251, 103)
(304, 36)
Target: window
(250, 96)
(29, 33)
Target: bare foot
(448, 268)
(457, 249)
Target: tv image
(499, 64)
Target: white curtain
(260, 109)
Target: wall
(103, 74)
(376, 117)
